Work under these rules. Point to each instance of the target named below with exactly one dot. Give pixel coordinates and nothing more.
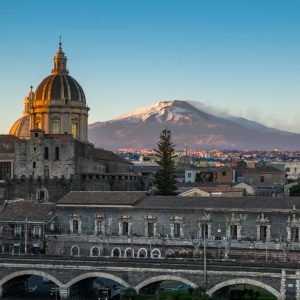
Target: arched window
(142, 253)
(116, 252)
(95, 251)
(129, 252)
(170, 253)
(155, 253)
(75, 251)
(56, 153)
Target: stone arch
(92, 251)
(97, 275)
(127, 250)
(260, 284)
(142, 250)
(31, 273)
(75, 248)
(162, 278)
(113, 251)
(153, 255)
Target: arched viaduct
(138, 273)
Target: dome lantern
(60, 61)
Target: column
(172, 230)
(283, 285)
(209, 231)
(288, 229)
(120, 228)
(298, 285)
(268, 233)
(129, 228)
(64, 293)
(258, 232)
(239, 230)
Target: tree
(294, 191)
(129, 293)
(164, 179)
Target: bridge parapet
(136, 273)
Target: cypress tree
(164, 179)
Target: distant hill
(189, 124)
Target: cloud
(290, 122)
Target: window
(116, 252)
(5, 170)
(295, 234)
(287, 170)
(41, 195)
(262, 178)
(125, 228)
(75, 226)
(155, 253)
(263, 233)
(17, 231)
(46, 153)
(223, 173)
(142, 253)
(36, 231)
(233, 232)
(39, 125)
(46, 172)
(56, 153)
(34, 165)
(55, 127)
(95, 251)
(129, 252)
(177, 230)
(75, 251)
(204, 231)
(150, 229)
(99, 225)
(75, 130)
(189, 175)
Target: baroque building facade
(47, 152)
(134, 224)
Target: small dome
(60, 87)
(21, 127)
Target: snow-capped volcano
(174, 111)
(191, 124)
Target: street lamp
(219, 245)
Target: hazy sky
(242, 56)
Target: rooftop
(31, 211)
(102, 198)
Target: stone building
(48, 146)
(134, 224)
(23, 226)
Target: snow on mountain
(190, 122)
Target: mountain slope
(191, 125)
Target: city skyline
(238, 57)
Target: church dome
(21, 127)
(60, 87)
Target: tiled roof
(242, 203)
(101, 154)
(34, 212)
(102, 198)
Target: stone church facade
(47, 149)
